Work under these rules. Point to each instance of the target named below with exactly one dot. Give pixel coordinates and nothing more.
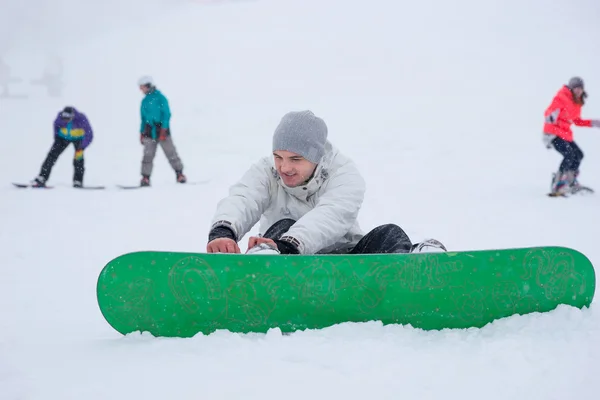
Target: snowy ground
(440, 104)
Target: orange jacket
(562, 112)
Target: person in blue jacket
(155, 129)
(70, 127)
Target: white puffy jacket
(325, 209)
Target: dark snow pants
(572, 155)
(387, 238)
(56, 150)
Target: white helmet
(145, 80)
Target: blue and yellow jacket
(77, 129)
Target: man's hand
(223, 245)
(141, 138)
(254, 240)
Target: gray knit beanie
(303, 133)
(575, 82)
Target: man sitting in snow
(308, 196)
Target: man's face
(293, 169)
(578, 91)
(145, 89)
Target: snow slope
(440, 104)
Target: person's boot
(145, 181)
(181, 177)
(560, 184)
(575, 185)
(39, 181)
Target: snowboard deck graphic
(178, 294)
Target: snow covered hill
(441, 105)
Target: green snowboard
(181, 294)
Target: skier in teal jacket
(155, 129)
(155, 113)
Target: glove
(162, 134)
(547, 139)
(287, 245)
(141, 138)
(596, 123)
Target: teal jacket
(154, 111)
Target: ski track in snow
(440, 105)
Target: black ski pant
(572, 155)
(388, 238)
(56, 150)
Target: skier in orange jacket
(565, 110)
